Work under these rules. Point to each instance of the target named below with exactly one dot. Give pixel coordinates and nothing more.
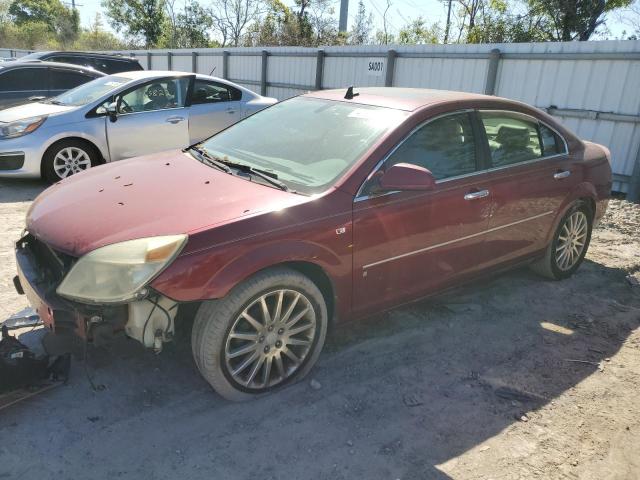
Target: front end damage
(148, 318)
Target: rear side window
(83, 61)
(23, 79)
(213, 92)
(552, 144)
(67, 79)
(107, 65)
(445, 146)
(512, 138)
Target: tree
(419, 32)
(97, 38)
(386, 38)
(192, 25)
(232, 17)
(576, 19)
(137, 18)
(362, 25)
(60, 20)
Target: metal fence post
(263, 77)
(492, 72)
(225, 64)
(169, 60)
(319, 69)
(148, 60)
(391, 66)
(633, 192)
(194, 62)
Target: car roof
(408, 99)
(76, 53)
(40, 63)
(150, 74)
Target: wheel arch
(74, 137)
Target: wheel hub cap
(270, 339)
(571, 240)
(70, 160)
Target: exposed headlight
(20, 127)
(115, 273)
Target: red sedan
(328, 206)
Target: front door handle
(476, 195)
(559, 175)
(230, 111)
(175, 120)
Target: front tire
(266, 333)
(66, 158)
(569, 245)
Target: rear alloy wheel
(266, 333)
(67, 158)
(569, 244)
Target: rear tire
(265, 334)
(569, 244)
(66, 158)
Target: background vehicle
(99, 61)
(118, 116)
(372, 201)
(20, 81)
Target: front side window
(23, 79)
(308, 143)
(445, 146)
(66, 79)
(159, 94)
(512, 138)
(90, 91)
(213, 92)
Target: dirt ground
(512, 378)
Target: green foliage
(144, 19)
(575, 19)
(362, 24)
(190, 29)
(419, 32)
(29, 16)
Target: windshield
(307, 142)
(90, 91)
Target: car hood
(29, 110)
(162, 194)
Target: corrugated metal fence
(592, 87)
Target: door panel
(407, 244)
(209, 118)
(141, 133)
(530, 178)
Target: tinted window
(552, 144)
(512, 138)
(212, 92)
(67, 79)
(157, 95)
(24, 79)
(83, 61)
(444, 146)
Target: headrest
(513, 137)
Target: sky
(401, 12)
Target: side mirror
(405, 176)
(112, 111)
(37, 98)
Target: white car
(118, 116)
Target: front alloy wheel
(70, 160)
(266, 333)
(270, 339)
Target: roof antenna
(349, 95)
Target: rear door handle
(559, 175)
(476, 195)
(175, 119)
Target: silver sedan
(118, 116)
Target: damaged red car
(325, 207)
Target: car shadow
(14, 190)
(398, 394)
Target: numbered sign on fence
(375, 67)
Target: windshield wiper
(272, 178)
(204, 157)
